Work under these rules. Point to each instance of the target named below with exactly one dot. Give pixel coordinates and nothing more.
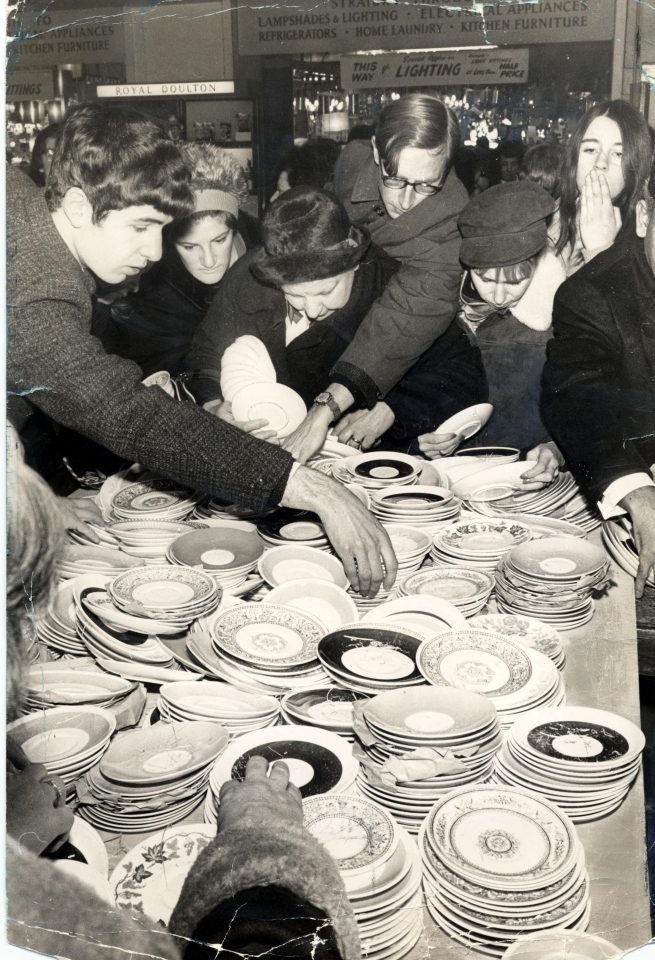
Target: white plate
(468, 421)
(282, 564)
(325, 601)
(423, 613)
(281, 407)
(144, 672)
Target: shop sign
(68, 36)
(193, 88)
(30, 85)
(436, 68)
(341, 26)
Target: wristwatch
(325, 399)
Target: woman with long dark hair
(608, 161)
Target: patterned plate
(292, 525)
(580, 737)
(376, 651)
(218, 548)
(382, 466)
(148, 880)
(502, 837)
(529, 631)
(268, 634)
(359, 834)
(448, 583)
(482, 537)
(163, 587)
(152, 496)
(477, 660)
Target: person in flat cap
(304, 293)
(506, 300)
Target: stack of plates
(468, 590)
(425, 615)
(155, 499)
(244, 362)
(514, 678)
(499, 481)
(235, 710)
(424, 506)
(74, 561)
(66, 740)
(513, 500)
(248, 382)
(527, 630)
(377, 470)
(325, 601)
(364, 605)
(617, 537)
(546, 526)
(56, 626)
(152, 777)
(455, 729)
(372, 657)
(150, 886)
(380, 868)
(580, 758)
(552, 579)
(478, 544)
(148, 539)
(410, 545)
(268, 643)
(201, 650)
(90, 594)
(103, 642)
(226, 553)
(293, 526)
(170, 593)
(56, 684)
(578, 512)
(491, 456)
(281, 564)
(319, 761)
(500, 861)
(330, 708)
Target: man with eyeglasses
(403, 188)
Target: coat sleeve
(414, 309)
(257, 855)
(63, 370)
(581, 396)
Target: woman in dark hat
(304, 293)
(506, 300)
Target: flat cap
(505, 224)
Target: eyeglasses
(421, 187)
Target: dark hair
(311, 164)
(468, 165)
(361, 131)
(119, 160)
(635, 164)
(36, 171)
(542, 164)
(510, 150)
(417, 120)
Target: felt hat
(505, 224)
(307, 236)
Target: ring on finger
(60, 793)
(353, 442)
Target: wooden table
(600, 671)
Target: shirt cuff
(618, 489)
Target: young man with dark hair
(599, 381)
(115, 182)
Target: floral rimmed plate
(165, 587)
(483, 537)
(359, 834)
(448, 584)
(268, 634)
(151, 496)
(527, 630)
(149, 879)
(477, 660)
(506, 836)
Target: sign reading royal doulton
(342, 26)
